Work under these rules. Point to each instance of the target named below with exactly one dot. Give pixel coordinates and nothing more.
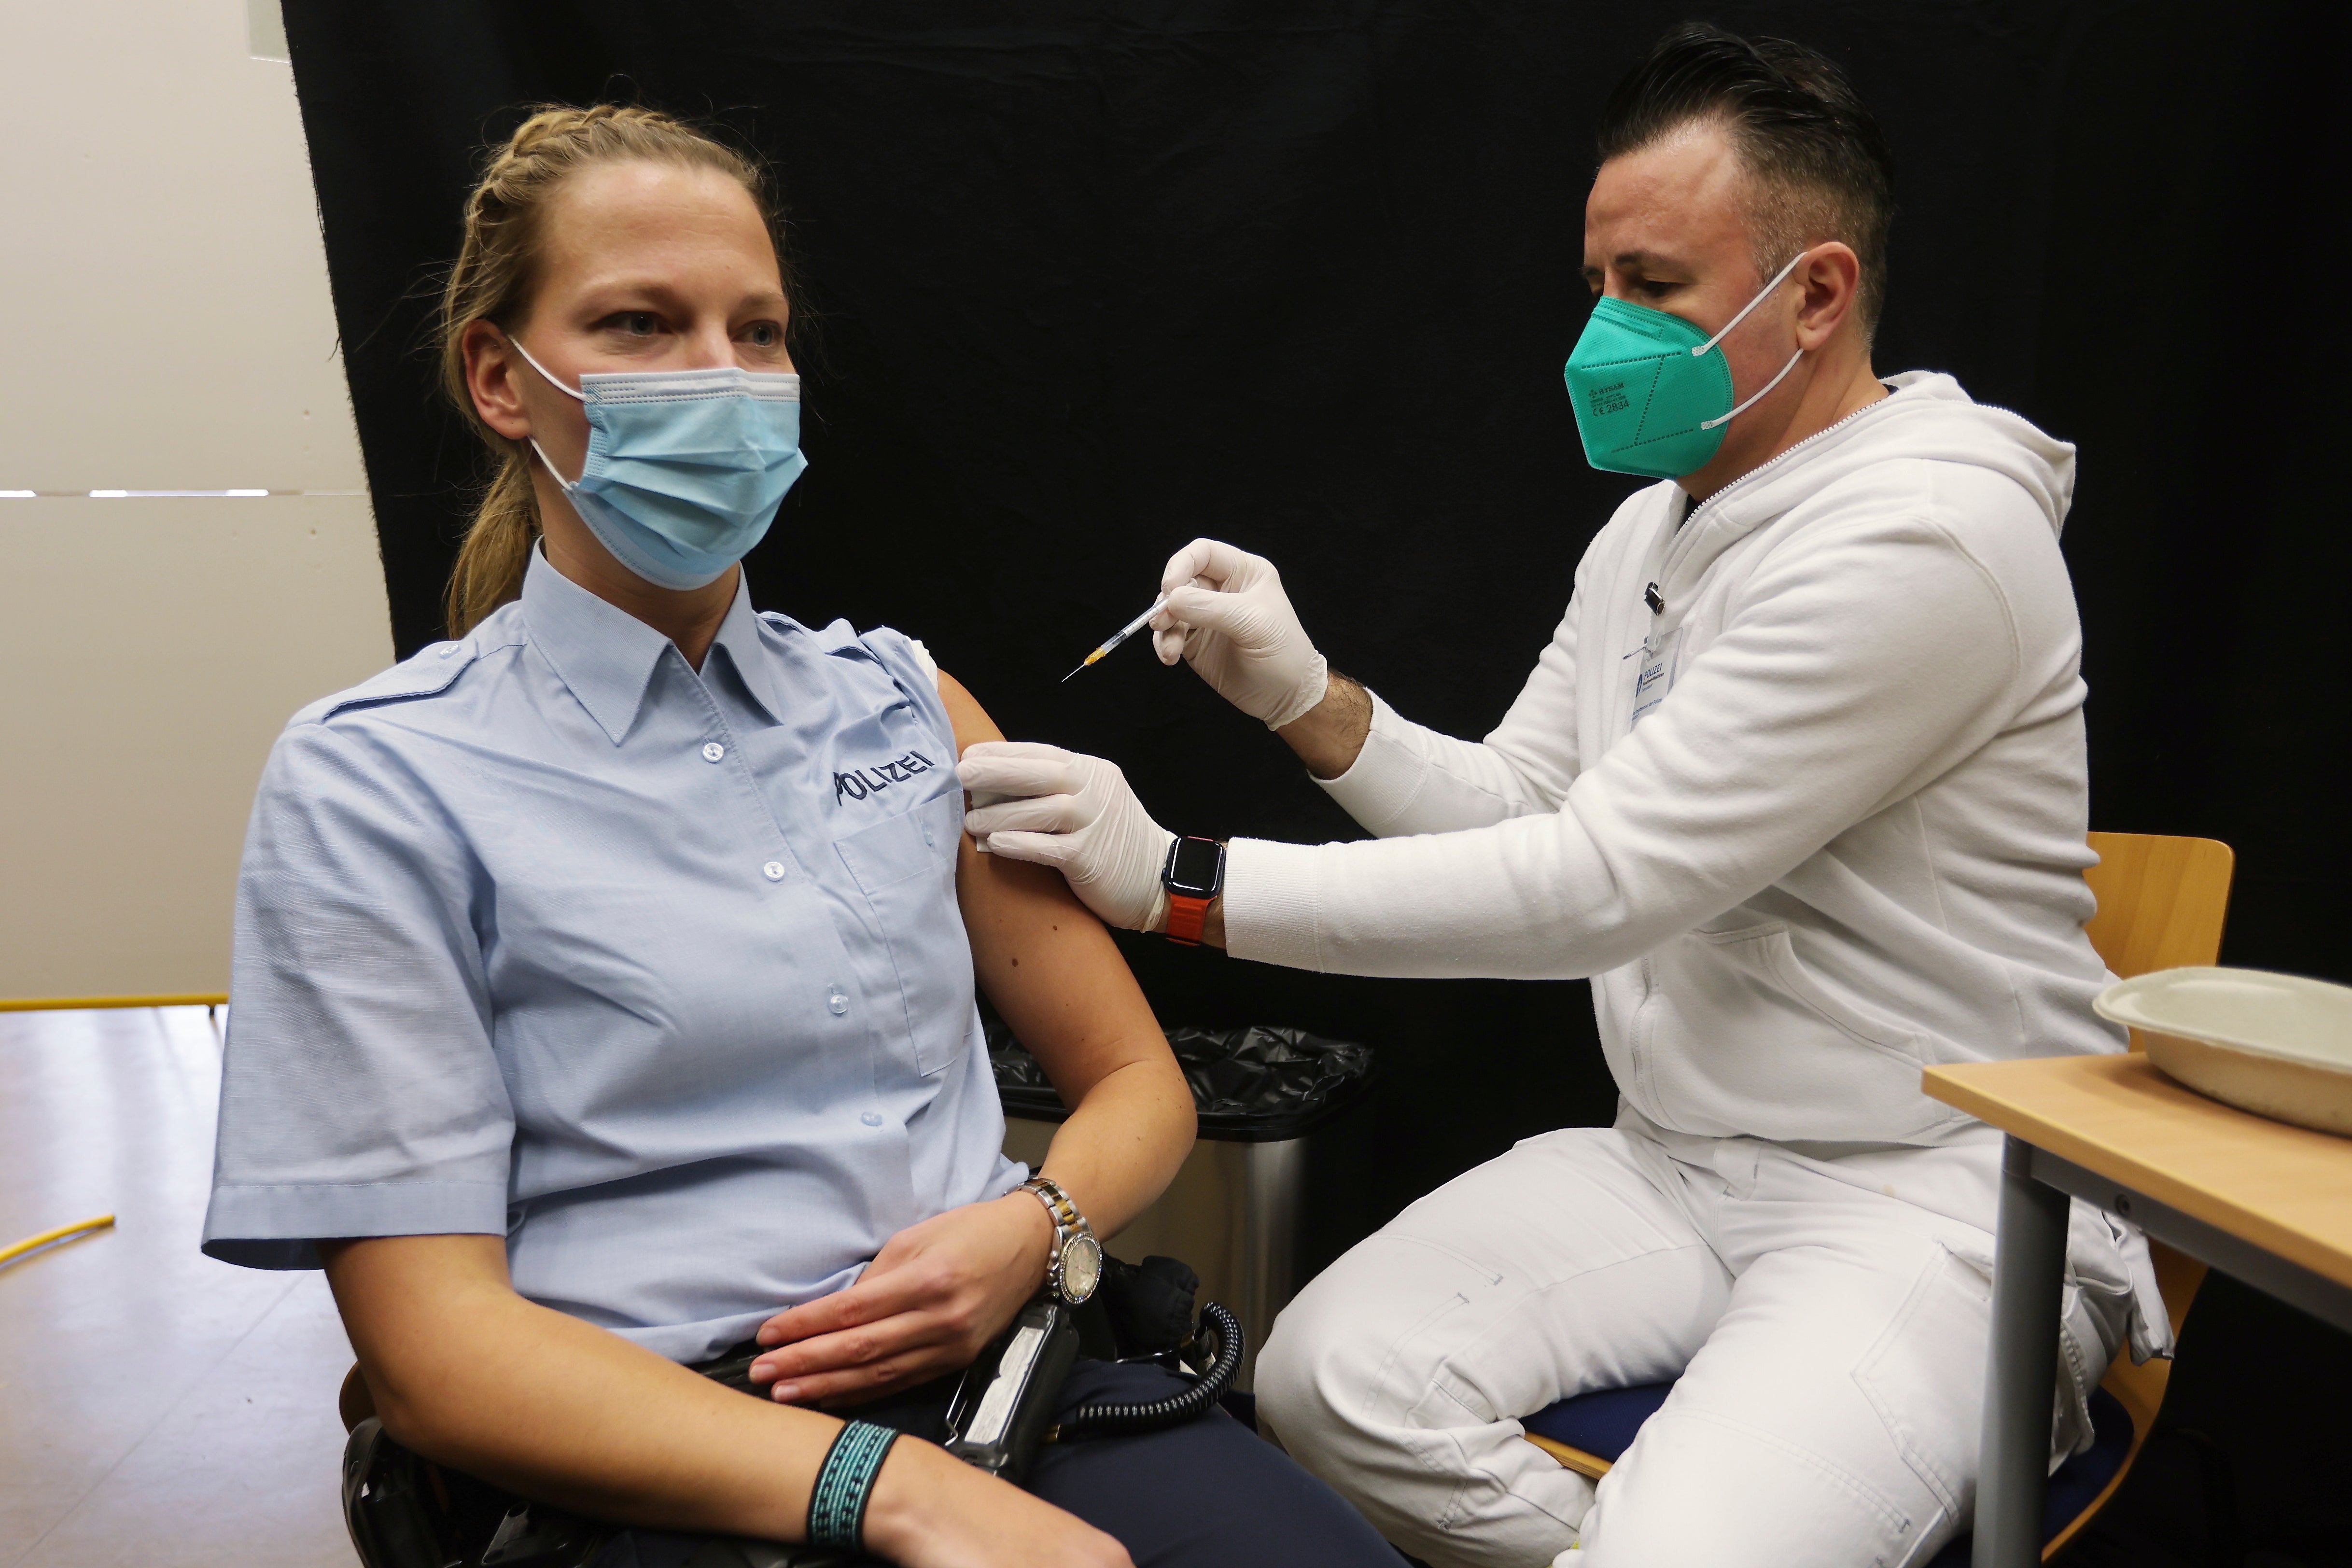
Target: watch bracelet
(1063, 1208)
(1070, 1224)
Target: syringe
(1124, 633)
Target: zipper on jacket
(1684, 531)
(1654, 595)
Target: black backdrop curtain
(1087, 280)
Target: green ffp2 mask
(1651, 391)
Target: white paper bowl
(2277, 1045)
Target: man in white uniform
(1800, 784)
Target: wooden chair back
(2162, 903)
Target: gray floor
(156, 1408)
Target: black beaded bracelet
(837, 1516)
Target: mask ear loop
(1761, 295)
(1711, 424)
(556, 473)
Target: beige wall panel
(153, 650)
(171, 327)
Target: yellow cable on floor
(8, 1254)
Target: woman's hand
(929, 1302)
(931, 1511)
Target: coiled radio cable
(1109, 1419)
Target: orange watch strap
(1186, 916)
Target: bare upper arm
(374, 1276)
(972, 722)
(396, 1294)
(1051, 968)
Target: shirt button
(837, 1002)
(773, 871)
(872, 1119)
(712, 751)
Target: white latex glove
(1229, 618)
(1074, 813)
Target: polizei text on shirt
(876, 778)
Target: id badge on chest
(1659, 653)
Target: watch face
(1081, 1268)
(1195, 866)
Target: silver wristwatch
(1076, 1265)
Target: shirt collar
(738, 637)
(607, 655)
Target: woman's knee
(1148, 1491)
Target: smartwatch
(1194, 874)
(1076, 1267)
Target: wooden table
(2268, 1202)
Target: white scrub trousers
(1829, 1332)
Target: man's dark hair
(1817, 163)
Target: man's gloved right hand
(1228, 617)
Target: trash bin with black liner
(1276, 1187)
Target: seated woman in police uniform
(604, 977)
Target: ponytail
(495, 551)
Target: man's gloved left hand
(1078, 814)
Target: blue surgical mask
(686, 468)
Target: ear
(1831, 281)
(492, 368)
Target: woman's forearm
(470, 1375)
(1123, 1143)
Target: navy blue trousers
(1207, 1494)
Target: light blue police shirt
(658, 974)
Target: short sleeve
(359, 1094)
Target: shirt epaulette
(428, 672)
(835, 638)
